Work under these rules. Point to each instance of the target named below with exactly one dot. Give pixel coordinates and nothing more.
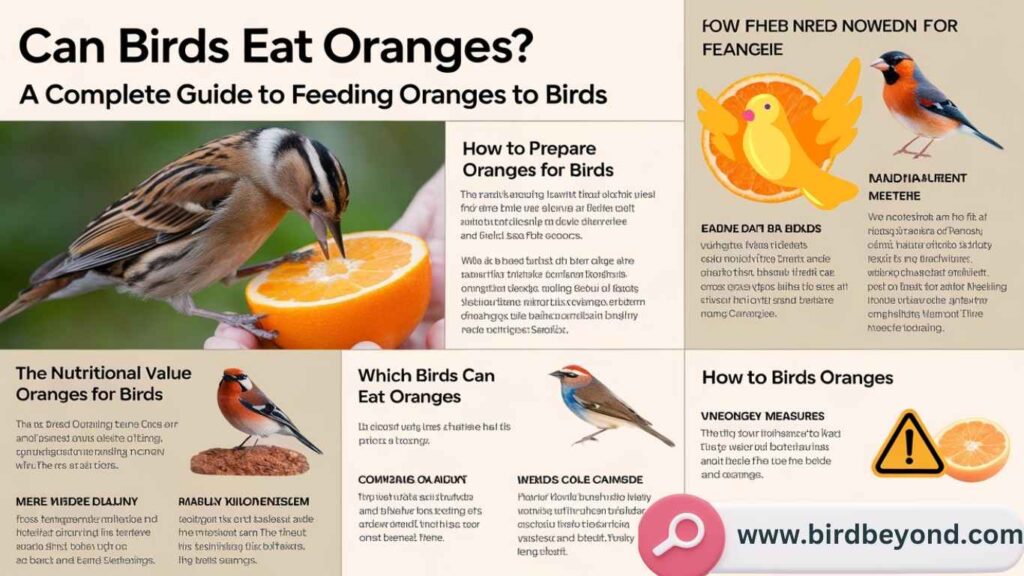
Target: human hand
(424, 217)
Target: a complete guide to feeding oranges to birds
(676, 287)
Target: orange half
(378, 294)
(974, 449)
(798, 99)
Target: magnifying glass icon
(673, 540)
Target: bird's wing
(597, 397)
(934, 100)
(174, 202)
(256, 401)
(838, 112)
(719, 121)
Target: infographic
(679, 288)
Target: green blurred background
(59, 175)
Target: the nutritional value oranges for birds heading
(694, 287)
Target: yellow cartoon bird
(774, 152)
(777, 152)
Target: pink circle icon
(681, 535)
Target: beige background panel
(645, 157)
(304, 384)
(943, 387)
(543, 431)
(970, 66)
(615, 48)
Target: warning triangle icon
(909, 450)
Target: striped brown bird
(196, 221)
(594, 403)
(249, 410)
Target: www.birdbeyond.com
(545, 288)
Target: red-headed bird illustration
(919, 105)
(249, 410)
(592, 401)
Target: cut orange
(974, 449)
(798, 100)
(378, 294)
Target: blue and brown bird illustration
(773, 137)
(919, 105)
(249, 410)
(592, 401)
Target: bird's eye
(317, 198)
(767, 106)
(571, 375)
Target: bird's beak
(557, 374)
(880, 64)
(321, 226)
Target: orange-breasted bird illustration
(775, 150)
(920, 105)
(249, 410)
(592, 401)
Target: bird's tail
(827, 191)
(298, 436)
(647, 428)
(975, 132)
(31, 296)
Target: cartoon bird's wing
(719, 121)
(838, 112)
(598, 398)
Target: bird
(773, 151)
(592, 401)
(197, 220)
(919, 105)
(249, 410)
(776, 153)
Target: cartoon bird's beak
(321, 225)
(880, 65)
(748, 115)
(557, 374)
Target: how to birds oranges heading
(197, 220)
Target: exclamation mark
(909, 435)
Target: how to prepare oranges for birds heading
(379, 293)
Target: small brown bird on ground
(197, 220)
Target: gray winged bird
(919, 105)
